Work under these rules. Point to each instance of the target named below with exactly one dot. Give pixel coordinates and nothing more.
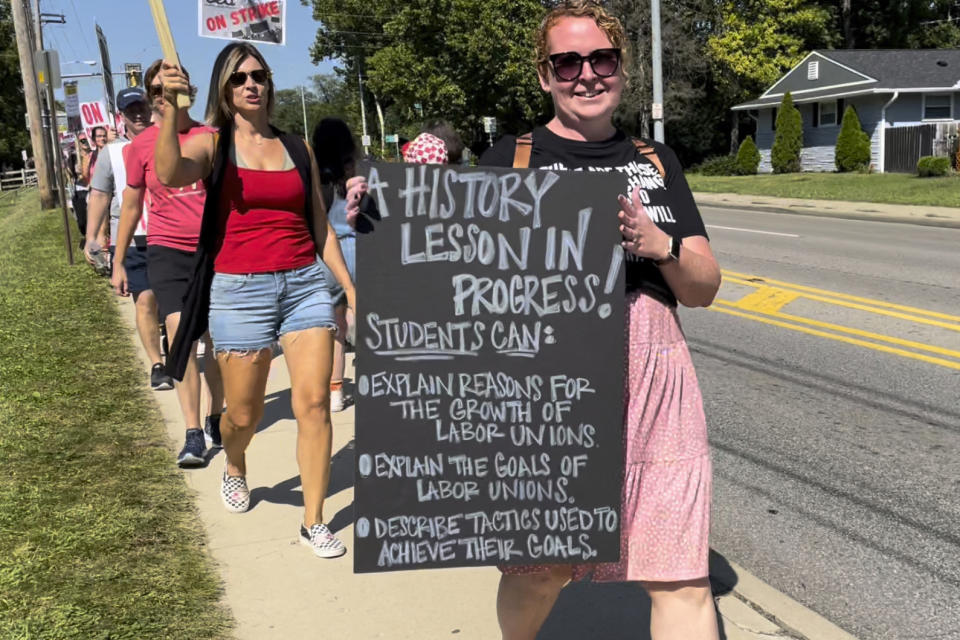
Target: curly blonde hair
(609, 24)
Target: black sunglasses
(155, 90)
(568, 66)
(239, 78)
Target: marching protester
(665, 499)
(257, 273)
(172, 236)
(79, 170)
(106, 193)
(336, 152)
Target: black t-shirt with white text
(668, 201)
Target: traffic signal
(134, 74)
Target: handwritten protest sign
(490, 369)
(260, 21)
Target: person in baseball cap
(129, 96)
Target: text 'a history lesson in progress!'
(489, 368)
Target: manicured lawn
(99, 537)
(892, 188)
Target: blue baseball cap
(129, 96)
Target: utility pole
(303, 105)
(657, 106)
(32, 98)
(363, 115)
(48, 108)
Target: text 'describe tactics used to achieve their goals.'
(489, 368)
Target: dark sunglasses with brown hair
(239, 78)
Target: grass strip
(889, 188)
(99, 536)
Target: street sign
(72, 104)
(391, 137)
(47, 63)
(366, 141)
(656, 111)
(489, 124)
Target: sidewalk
(911, 214)
(276, 588)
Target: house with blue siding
(907, 100)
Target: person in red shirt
(258, 280)
(172, 237)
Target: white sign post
(259, 21)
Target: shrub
(718, 166)
(748, 157)
(933, 166)
(853, 145)
(788, 140)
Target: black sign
(489, 369)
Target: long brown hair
(219, 112)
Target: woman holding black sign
(665, 511)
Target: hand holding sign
(166, 42)
(175, 83)
(641, 236)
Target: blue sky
(128, 27)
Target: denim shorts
(348, 246)
(249, 312)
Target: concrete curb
(778, 609)
(943, 217)
(263, 570)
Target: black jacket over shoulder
(196, 301)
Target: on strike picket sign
(490, 369)
(259, 21)
(93, 114)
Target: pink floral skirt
(665, 502)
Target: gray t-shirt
(104, 179)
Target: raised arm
(178, 166)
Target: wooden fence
(10, 180)
(906, 145)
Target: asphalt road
(830, 367)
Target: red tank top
(262, 222)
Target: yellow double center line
(764, 305)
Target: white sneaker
(337, 402)
(323, 543)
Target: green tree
(876, 24)
(13, 131)
(425, 59)
(693, 117)
(788, 140)
(853, 145)
(758, 40)
(748, 157)
(328, 95)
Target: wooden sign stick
(166, 42)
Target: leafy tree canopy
(458, 60)
(13, 131)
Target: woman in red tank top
(263, 227)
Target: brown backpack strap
(648, 151)
(521, 155)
